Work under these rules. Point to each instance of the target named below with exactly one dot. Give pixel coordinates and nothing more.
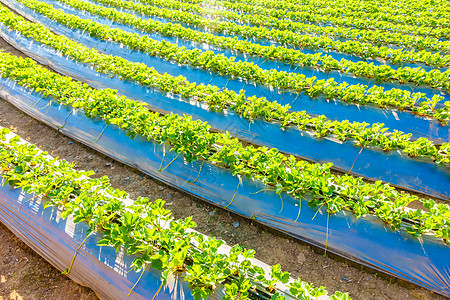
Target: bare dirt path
(24, 275)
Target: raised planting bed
(419, 174)
(81, 220)
(366, 240)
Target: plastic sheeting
(241, 56)
(396, 168)
(204, 46)
(367, 240)
(56, 240)
(109, 273)
(332, 109)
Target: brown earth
(25, 275)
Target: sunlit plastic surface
(423, 261)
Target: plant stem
(140, 276)
(67, 271)
(235, 192)
(326, 241)
(198, 176)
(160, 170)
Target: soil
(24, 275)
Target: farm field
(300, 259)
(315, 133)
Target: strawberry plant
(137, 226)
(284, 19)
(182, 12)
(250, 108)
(194, 140)
(248, 71)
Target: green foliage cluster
(422, 16)
(361, 134)
(435, 17)
(142, 228)
(194, 140)
(307, 35)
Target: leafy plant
(251, 107)
(284, 20)
(222, 64)
(136, 226)
(194, 140)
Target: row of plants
(291, 56)
(432, 9)
(299, 14)
(144, 229)
(308, 36)
(296, 20)
(250, 72)
(178, 14)
(194, 140)
(290, 19)
(361, 134)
